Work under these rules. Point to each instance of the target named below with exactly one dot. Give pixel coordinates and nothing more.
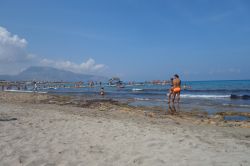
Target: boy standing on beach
(171, 90)
(176, 88)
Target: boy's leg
(169, 96)
(174, 95)
(178, 99)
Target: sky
(133, 39)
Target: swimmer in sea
(176, 88)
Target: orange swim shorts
(177, 90)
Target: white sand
(62, 135)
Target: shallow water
(236, 118)
(208, 96)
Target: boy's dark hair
(176, 75)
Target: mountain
(51, 74)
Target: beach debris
(7, 119)
(107, 105)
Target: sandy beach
(47, 133)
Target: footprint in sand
(23, 159)
(156, 143)
(140, 160)
(50, 164)
(159, 161)
(96, 149)
(37, 162)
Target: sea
(205, 96)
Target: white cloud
(12, 47)
(7, 38)
(89, 66)
(14, 58)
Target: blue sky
(133, 39)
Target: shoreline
(195, 116)
(41, 129)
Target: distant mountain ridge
(50, 74)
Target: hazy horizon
(134, 40)
(138, 80)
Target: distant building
(115, 81)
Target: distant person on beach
(35, 86)
(91, 84)
(102, 92)
(171, 90)
(176, 88)
(185, 87)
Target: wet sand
(40, 129)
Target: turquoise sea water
(208, 96)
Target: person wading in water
(176, 88)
